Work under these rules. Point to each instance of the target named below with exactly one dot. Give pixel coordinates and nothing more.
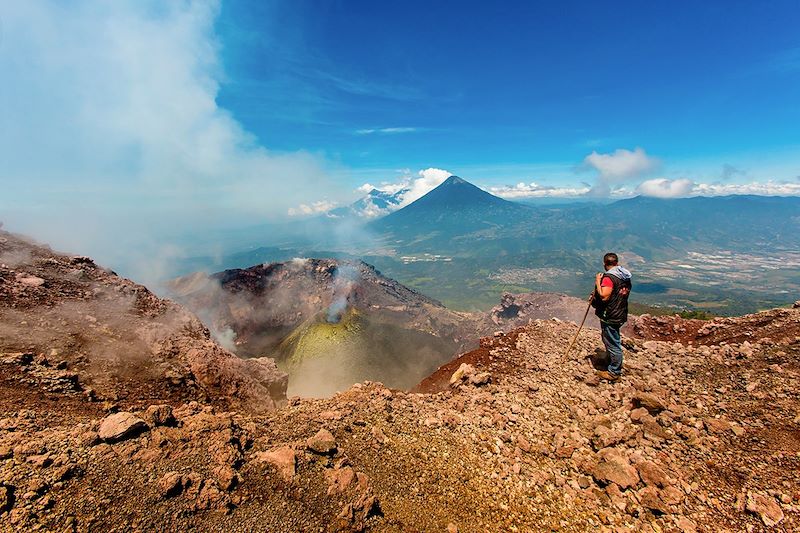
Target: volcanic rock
(6, 498)
(649, 498)
(765, 507)
(463, 372)
(121, 426)
(481, 378)
(30, 281)
(651, 402)
(516, 455)
(282, 458)
(170, 484)
(615, 468)
(159, 415)
(322, 442)
(339, 479)
(652, 474)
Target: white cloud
(371, 210)
(415, 188)
(679, 188)
(622, 164)
(764, 188)
(664, 188)
(428, 179)
(311, 209)
(534, 190)
(385, 131)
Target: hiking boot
(608, 376)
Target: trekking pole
(591, 297)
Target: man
(610, 301)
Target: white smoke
(114, 144)
(343, 284)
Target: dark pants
(613, 343)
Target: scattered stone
(639, 414)
(649, 498)
(593, 380)
(614, 468)
(40, 461)
(765, 507)
(159, 415)
(378, 435)
(685, 525)
(480, 379)
(6, 498)
(323, 442)
(121, 426)
(283, 459)
(651, 402)
(170, 484)
(652, 474)
(463, 372)
(717, 425)
(339, 479)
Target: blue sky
(142, 119)
(520, 91)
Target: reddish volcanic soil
(119, 413)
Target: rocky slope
(513, 436)
(102, 337)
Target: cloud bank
(683, 187)
(535, 190)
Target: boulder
(283, 459)
(463, 372)
(170, 485)
(480, 379)
(652, 474)
(121, 426)
(651, 402)
(31, 281)
(323, 442)
(159, 415)
(614, 468)
(765, 508)
(339, 479)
